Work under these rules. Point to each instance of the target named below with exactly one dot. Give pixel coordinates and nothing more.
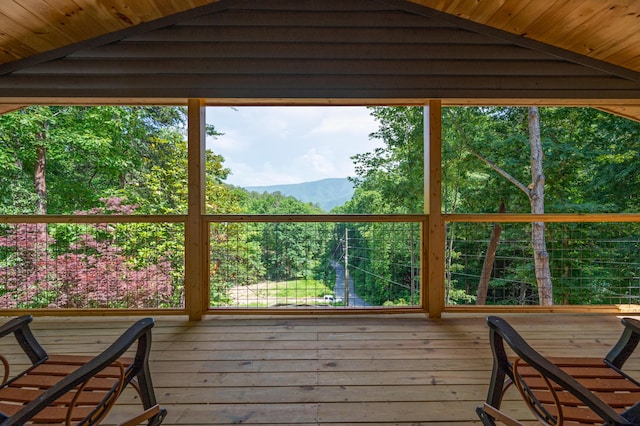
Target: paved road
(354, 300)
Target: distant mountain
(327, 193)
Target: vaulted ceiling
(603, 30)
(606, 30)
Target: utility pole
(413, 270)
(346, 264)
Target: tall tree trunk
(535, 193)
(489, 259)
(536, 198)
(40, 184)
(39, 177)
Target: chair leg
(144, 386)
(155, 413)
(485, 418)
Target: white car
(329, 298)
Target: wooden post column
(433, 280)
(196, 233)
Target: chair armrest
(626, 344)
(15, 324)
(22, 332)
(552, 372)
(138, 332)
(632, 323)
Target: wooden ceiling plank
(539, 19)
(110, 17)
(120, 14)
(161, 8)
(624, 53)
(484, 13)
(143, 10)
(607, 41)
(503, 16)
(458, 7)
(629, 60)
(77, 21)
(11, 22)
(147, 10)
(588, 34)
(12, 50)
(37, 11)
(580, 30)
(519, 21)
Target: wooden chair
(562, 390)
(74, 389)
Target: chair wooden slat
(563, 390)
(77, 388)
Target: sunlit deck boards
(401, 370)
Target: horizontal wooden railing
(547, 217)
(81, 218)
(610, 219)
(98, 222)
(203, 245)
(417, 305)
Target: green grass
(296, 289)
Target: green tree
(395, 170)
(389, 181)
(69, 158)
(588, 167)
(289, 250)
(66, 159)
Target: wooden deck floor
(364, 370)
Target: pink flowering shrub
(90, 271)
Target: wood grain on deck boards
(364, 370)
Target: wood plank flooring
(346, 370)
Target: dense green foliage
(390, 180)
(96, 160)
(590, 164)
(91, 153)
(122, 160)
(289, 250)
(133, 160)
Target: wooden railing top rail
(52, 218)
(317, 218)
(547, 217)
(467, 217)
(58, 218)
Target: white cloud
(229, 142)
(318, 163)
(346, 121)
(279, 145)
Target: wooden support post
(433, 285)
(196, 232)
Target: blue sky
(284, 145)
